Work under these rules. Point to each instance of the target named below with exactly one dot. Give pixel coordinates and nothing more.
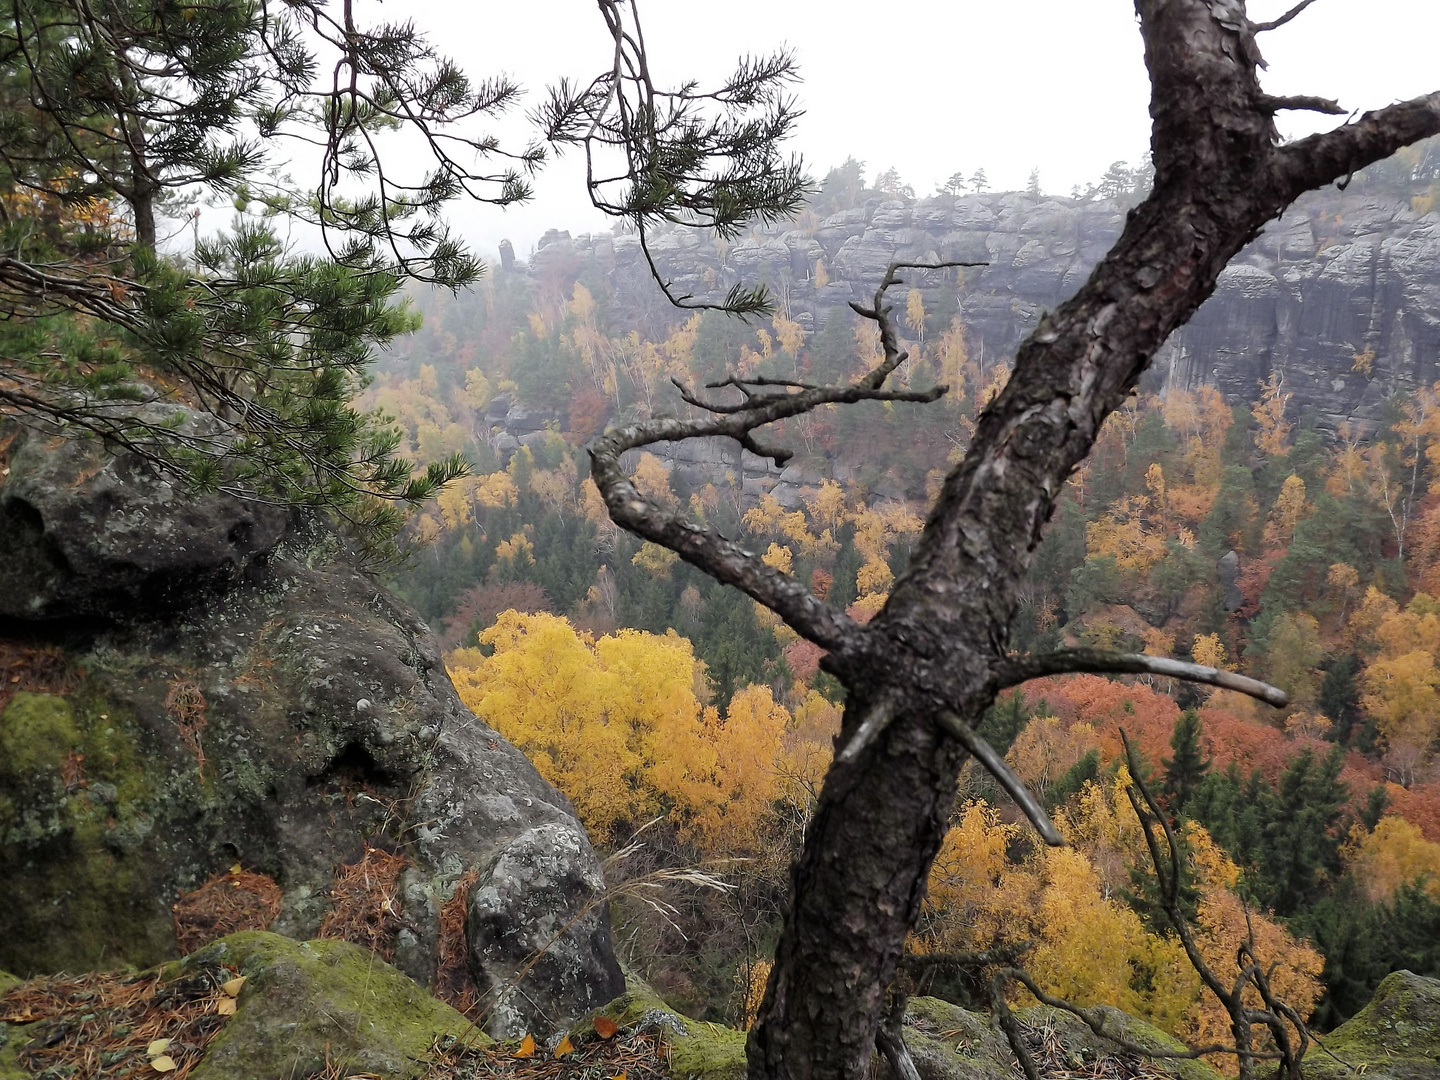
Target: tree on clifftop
(922, 672)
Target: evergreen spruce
(1185, 772)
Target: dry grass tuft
(226, 904)
(35, 669)
(186, 705)
(1055, 1062)
(365, 902)
(453, 982)
(100, 1025)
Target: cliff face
(1340, 297)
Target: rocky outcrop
(1395, 1037)
(204, 682)
(1340, 297)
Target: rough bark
(938, 646)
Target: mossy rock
(80, 892)
(951, 1043)
(11, 1037)
(698, 1050)
(305, 1001)
(1083, 1045)
(1395, 1037)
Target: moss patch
(304, 1000)
(698, 1050)
(948, 1041)
(37, 734)
(76, 808)
(1395, 1037)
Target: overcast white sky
(931, 86)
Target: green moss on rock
(1395, 1037)
(948, 1041)
(77, 895)
(304, 1000)
(37, 734)
(698, 1050)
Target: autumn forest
(684, 719)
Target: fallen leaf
(225, 1007)
(233, 986)
(164, 1063)
(565, 1047)
(158, 1047)
(605, 1027)
(618, 1076)
(235, 869)
(527, 1047)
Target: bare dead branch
(1019, 669)
(1275, 24)
(1013, 786)
(1320, 159)
(1095, 1020)
(1301, 103)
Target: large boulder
(196, 683)
(1395, 1037)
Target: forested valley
(1247, 534)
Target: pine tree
(1185, 772)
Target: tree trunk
(1220, 176)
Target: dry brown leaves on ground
(1056, 1062)
(453, 982)
(37, 669)
(186, 705)
(226, 904)
(629, 1054)
(365, 902)
(102, 1024)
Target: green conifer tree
(1185, 772)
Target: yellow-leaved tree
(618, 724)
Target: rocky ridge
(1339, 298)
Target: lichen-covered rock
(309, 1007)
(539, 898)
(1395, 1037)
(85, 536)
(264, 704)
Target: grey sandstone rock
(326, 721)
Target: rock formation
(1340, 297)
(193, 683)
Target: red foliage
(803, 658)
(589, 412)
(482, 603)
(1419, 805)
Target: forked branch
(1019, 669)
(762, 401)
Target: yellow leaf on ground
(235, 869)
(233, 986)
(565, 1047)
(159, 1046)
(527, 1047)
(225, 1007)
(618, 1076)
(164, 1063)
